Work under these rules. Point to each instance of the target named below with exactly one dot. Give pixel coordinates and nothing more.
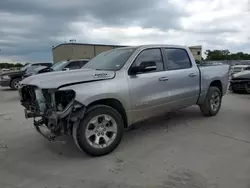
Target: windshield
(33, 69)
(110, 60)
(25, 67)
(59, 65)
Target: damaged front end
(240, 84)
(55, 110)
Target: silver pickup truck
(118, 88)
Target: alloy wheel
(101, 131)
(215, 101)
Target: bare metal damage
(54, 112)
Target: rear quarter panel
(210, 74)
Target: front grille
(240, 79)
(238, 86)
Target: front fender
(87, 93)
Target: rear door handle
(192, 74)
(165, 78)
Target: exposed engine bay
(55, 109)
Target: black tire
(206, 106)
(14, 83)
(79, 130)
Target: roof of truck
(155, 46)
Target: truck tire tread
(206, 107)
(79, 136)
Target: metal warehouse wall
(79, 51)
(82, 51)
(197, 52)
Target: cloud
(30, 27)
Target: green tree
(225, 55)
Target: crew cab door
(183, 78)
(147, 89)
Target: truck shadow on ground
(143, 130)
(7, 89)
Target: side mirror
(65, 69)
(145, 66)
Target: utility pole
(72, 47)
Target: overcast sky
(28, 28)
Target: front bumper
(4, 83)
(43, 130)
(238, 85)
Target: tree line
(218, 55)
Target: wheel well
(114, 103)
(218, 84)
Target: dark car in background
(12, 78)
(240, 82)
(60, 66)
(69, 64)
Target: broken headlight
(63, 99)
(41, 102)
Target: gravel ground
(182, 149)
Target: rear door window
(177, 58)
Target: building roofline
(88, 44)
(196, 47)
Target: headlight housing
(63, 98)
(6, 77)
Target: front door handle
(165, 78)
(192, 74)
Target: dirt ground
(182, 150)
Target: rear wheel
(100, 131)
(212, 103)
(15, 83)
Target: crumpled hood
(244, 74)
(64, 78)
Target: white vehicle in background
(239, 68)
(5, 70)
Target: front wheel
(212, 103)
(15, 83)
(100, 131)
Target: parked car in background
(60, 66)
(239, 68)
(71, 64)
(240, 82)
(5, 70)
(118, 88)
(12, 78)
